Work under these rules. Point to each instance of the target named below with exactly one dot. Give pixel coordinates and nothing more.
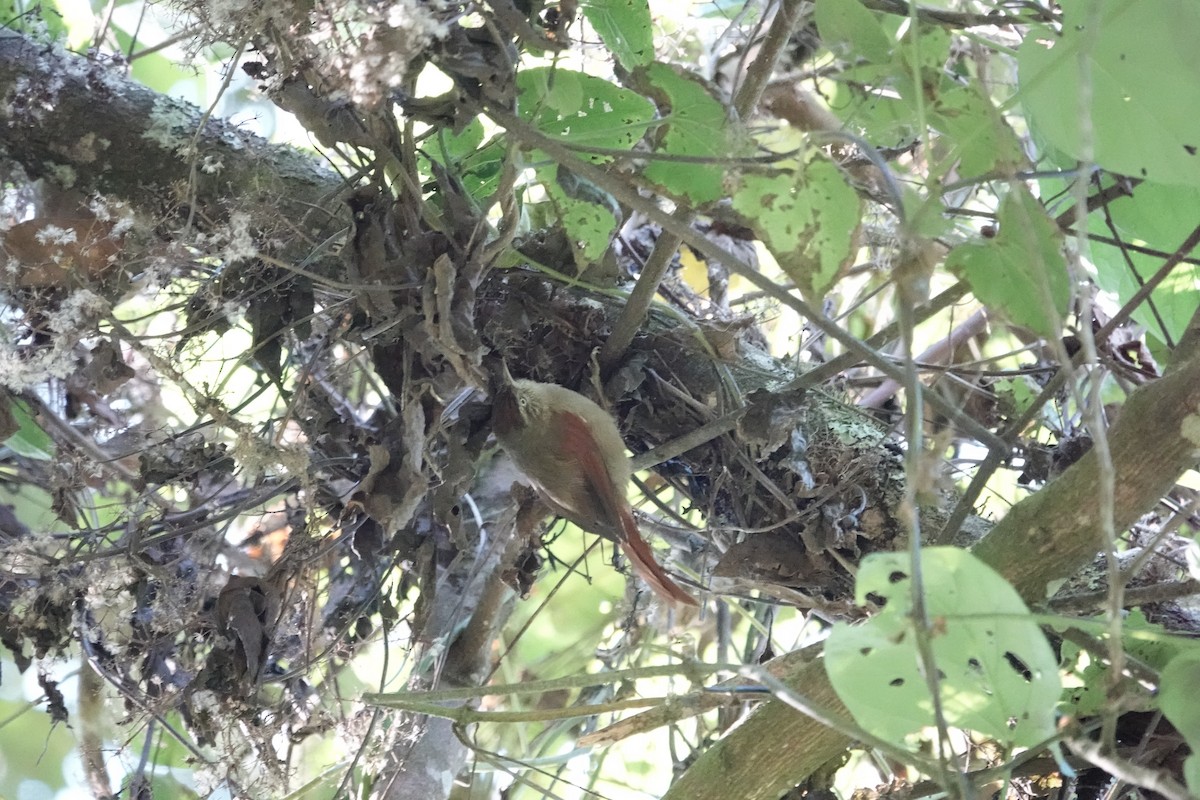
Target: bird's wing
(615, 510)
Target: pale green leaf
(694, 124)
(1177, 696)
(480, 171)
(807, 217)
(1141, 63)
(588, 112)
(624, 26)
(998, 674)
(1021, 272)
(1159, 217)
(977, 136)
(921, 56)
(581, 109)
(449, 147)
(850, 30)
(30, 440)
(589, 215)
(1088, 677)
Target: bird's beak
(498, 375)
(506, 414)
(506, 375)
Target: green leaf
(980, 139)
(1159, 217)
(1191, 773)
(1087, 676)
(1021, 272)
(586, 111)
(477, 168)
(1142, 64)
(449, 148)
(30, 440)
(1085, 682)
(851, 31)
(890, 101)
(589, 215)
(480, 171)
(922, 54)
(624, 26)
(583, 110)
(998, 674)
(807, 217)
(885, 120)
(694, 124)
(1177, 696)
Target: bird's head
(516, 403)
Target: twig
(943, 348)
(1151, 779)
(1135, 596)
(635, 310)
(677, 447)
(617, 187)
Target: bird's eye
(524, 401)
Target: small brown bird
(571, 451)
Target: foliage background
(855, 277)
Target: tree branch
(78, 122)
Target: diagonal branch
(660, 258)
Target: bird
(570, 450)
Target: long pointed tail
(642, 558)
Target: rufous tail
(642, 558)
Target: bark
(1052, 534)
(82, 124)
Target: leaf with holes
(586, 112)
(694, 125)
(807, 217)
(977, 135)
(998, 674)
(589, 214)
(582, 110)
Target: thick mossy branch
(1052, 534)
(81, 124)
(1042, 540)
